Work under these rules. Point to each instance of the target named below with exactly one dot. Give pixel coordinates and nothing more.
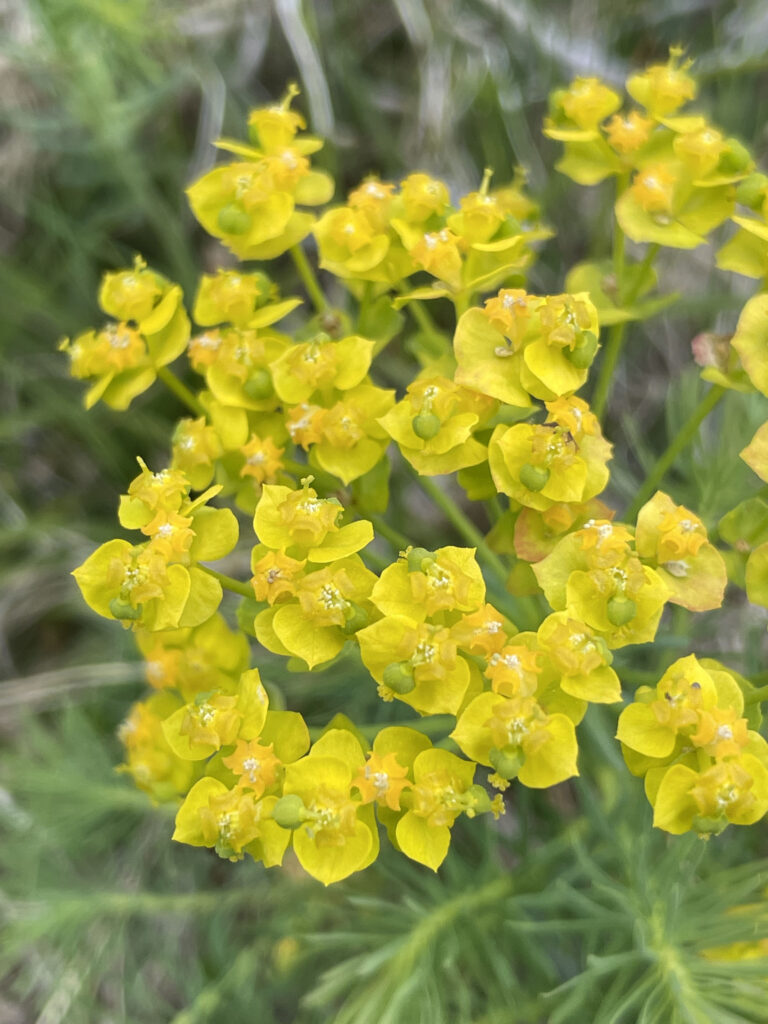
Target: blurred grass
(106, 112)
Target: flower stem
(618, 332)
(398, 541)
(464, 526)
(307, 275)
(179, 389)
(684, 437)
(229, 582)
(757, 696)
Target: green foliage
(102, 919)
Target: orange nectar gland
(382, 778)
(255, 766)
(275, 575)
(263, 459)
(626, 134)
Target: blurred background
(107, 111)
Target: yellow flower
(518, 739)
(484, 631)
(581, 658)
(439, 253)
(628, 133)
(514, 671)
(255, 766)
(673, 540)
(233, 822)
(321, 365)
(684, 711)
(121, 359)
(348, 439)
(734, 792)
(541, 465)
(150, 761)
(588, 101)
(423, 583)
(442, 791)
(263, 459)
(274, 574)
(417, 663)
(306, 526)
(206, 658)
(216, 720)
(654, 188)
(663, 88)
(382, 778)
(433, 425)
(422, 197)
(334, 834)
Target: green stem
(398, 540)
(307, 275)
(229, 582)
(464, 526)
(423, 318)
(618, 332)
(684, 437)
(757, 696)
(179, 389)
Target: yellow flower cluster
(704, 768)
(676, 173)
(292, 425)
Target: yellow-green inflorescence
(289, 422)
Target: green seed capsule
(507, 761)
(289, 811)
(583, 354)
(399, 677)
(481, 800)
(426, 425)
(419, 559)
(621, 610)
(751, 192)
(357, 618)
(124, 610)
(259, 385)
(233, 220)
(534, 477)
(736, 158)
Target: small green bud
(621, 610)
(233, 220)
(124, 610)
(507, 761)
(534, 477)
(583, 354)
(426, 425)
(355, 618)
(419, 559)
(736, 158)
(289, 811)
(398, 676)
(481, 802)
(259, 385)
(751, 192)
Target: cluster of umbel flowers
(293, 428)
